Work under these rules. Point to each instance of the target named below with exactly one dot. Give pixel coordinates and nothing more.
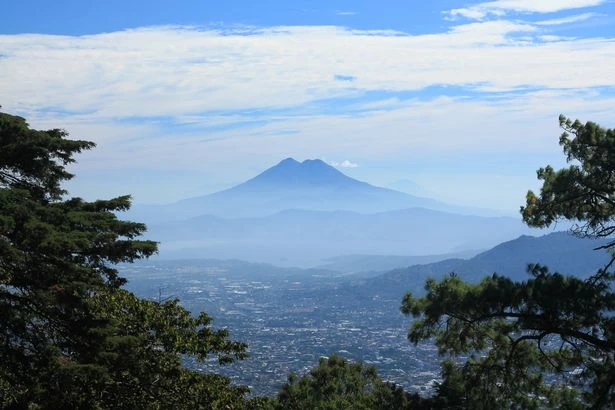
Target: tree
(548, 341)
(70, 335)
(339, 384)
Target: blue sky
(78, 17)
(187, 97)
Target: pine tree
(548, 341)
(70, 335)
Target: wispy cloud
(344, 164)
(179, 71)
(346, 13)
(500, 8)
(567, 20)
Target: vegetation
(70, 335)
(338, 384)
(548, 341)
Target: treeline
(72, 337)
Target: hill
(560, 251)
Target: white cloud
(549, 37)
(205, 80)
(344, 164)
(567, 20)
(178, 72)
(500, 8)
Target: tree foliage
(548, 341)
(339, 384)
(584, 191)
(70, 335)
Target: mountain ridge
(309, 237)
(560, 251)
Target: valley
(290, 317)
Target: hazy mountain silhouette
(559, 251)
(309, 185)
(290, 175)
(366, 265)
(308, 237)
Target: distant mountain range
(300, 213)
(305, 237)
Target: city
(289, 321)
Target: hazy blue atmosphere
(456, 101)
(304, 213)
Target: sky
(456, 100)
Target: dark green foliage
(548, 341)
(515, 333)
(339, 384)
(70, 336)
(584, 191)
(34, 160)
